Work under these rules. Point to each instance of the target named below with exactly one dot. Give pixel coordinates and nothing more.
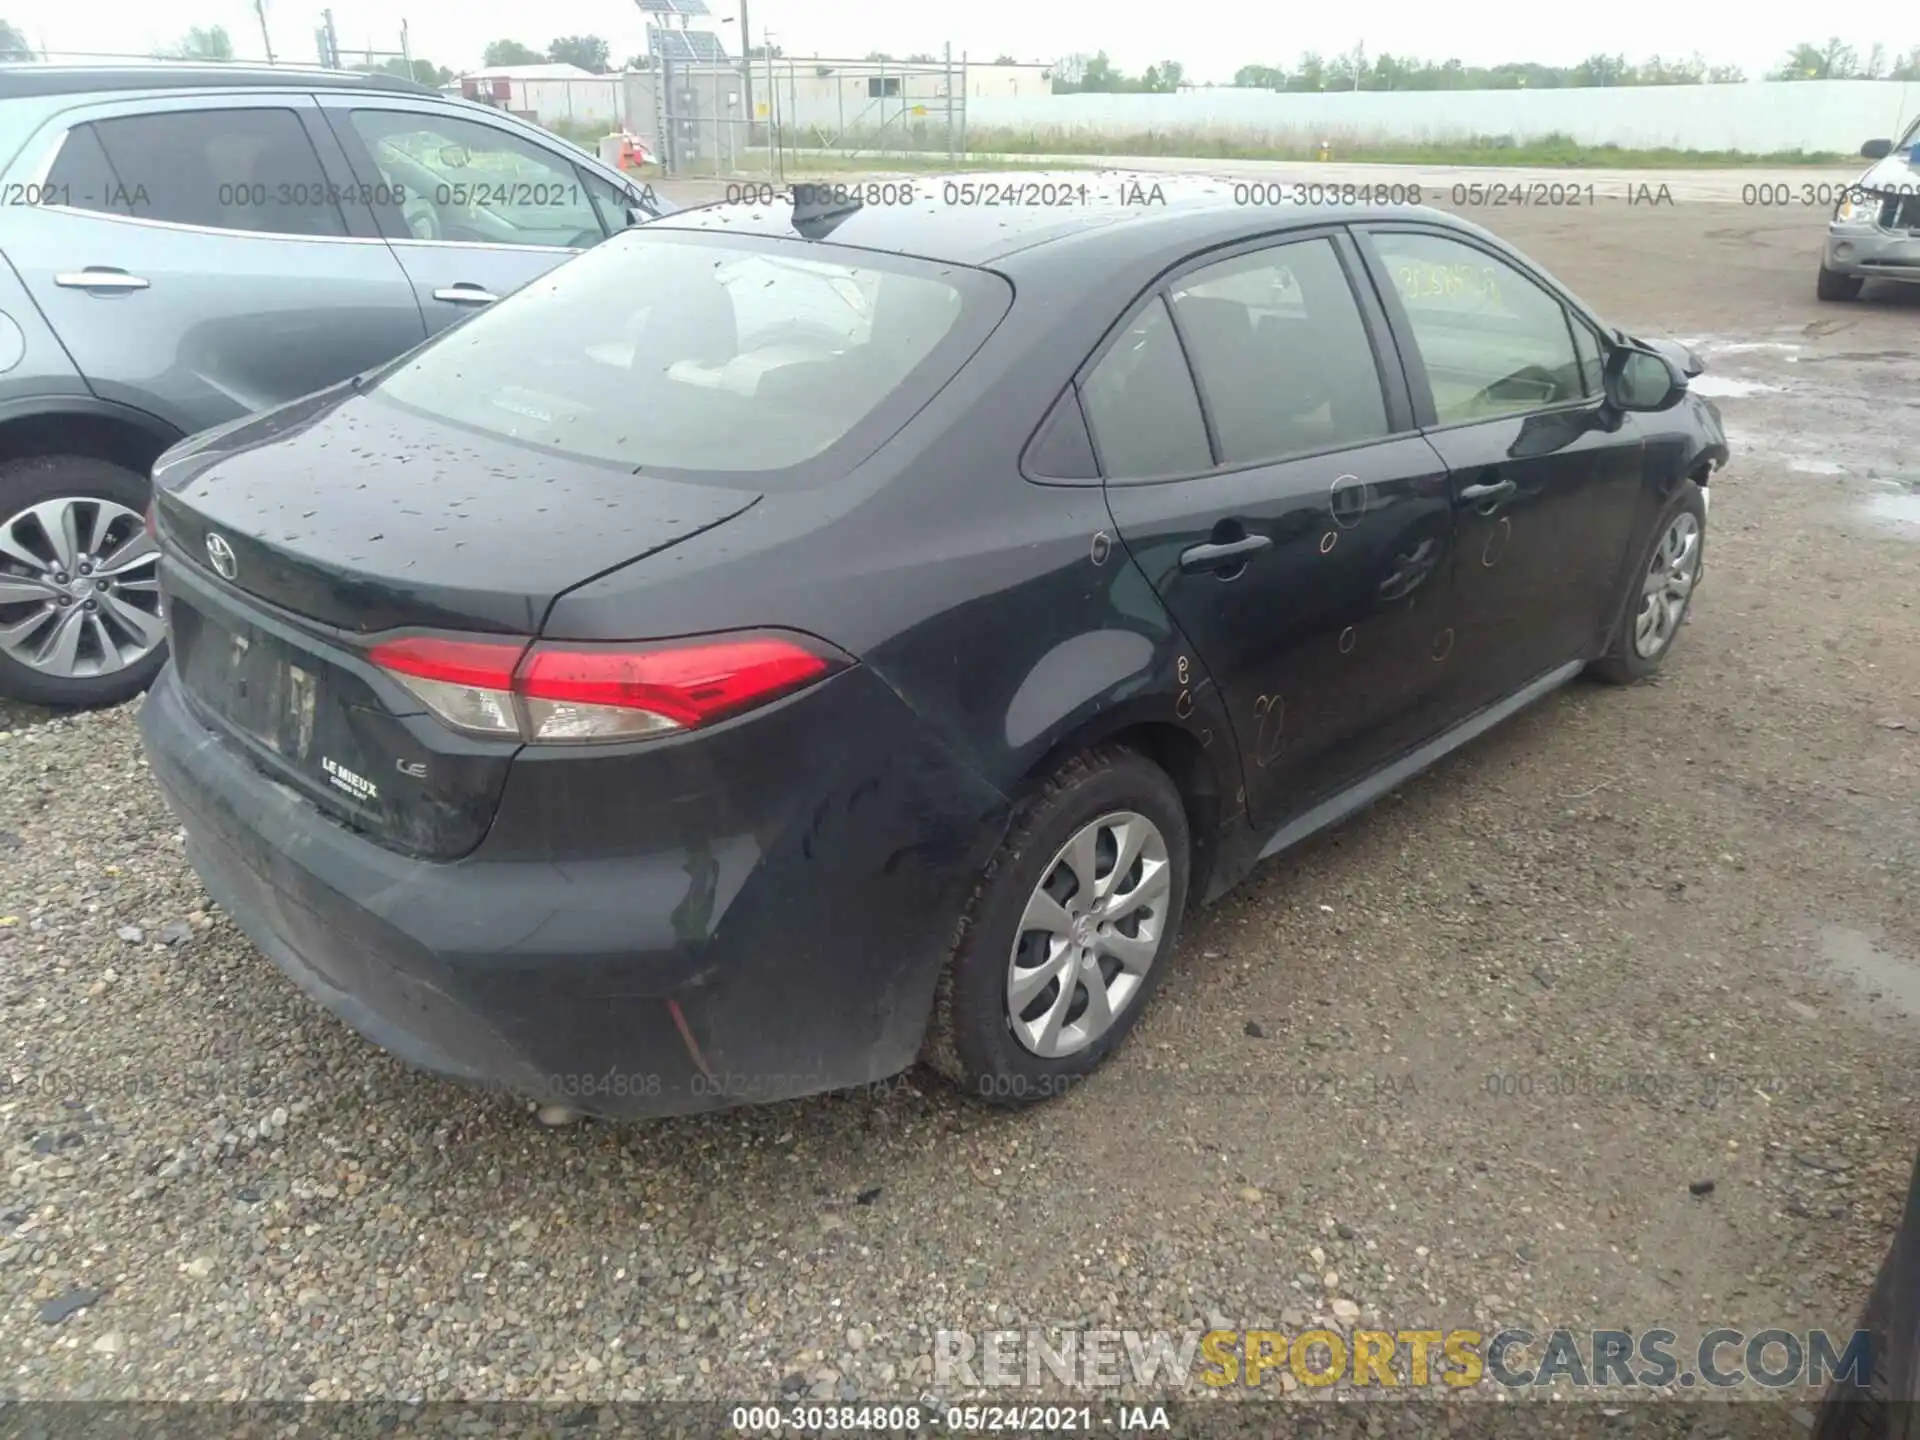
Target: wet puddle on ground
(1898, 508)
(1725, 387)
(1892, 979)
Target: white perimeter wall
(1760, 117)
(595, 101)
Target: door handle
(1230, 555)
(465, 294)
(102, 280)
(1483, 494)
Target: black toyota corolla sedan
(783, 643)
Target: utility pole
(260, 9)
(746, 71)
(332, 58)
(776, 161)
(406, 52)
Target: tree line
(1096, 74)
(1356, 70)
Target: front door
(1545, 476)
(1275, 493)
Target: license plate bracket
(268, 697)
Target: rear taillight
(556, 692)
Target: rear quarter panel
(33, 363)
(1002, 611)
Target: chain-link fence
(862, 107)
(762, 118)
(756, 119)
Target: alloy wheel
(79, 588)
(1090, 933)
(1670, 580)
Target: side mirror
(1641, 380)
(637, 216)
(1876, 149)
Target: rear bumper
(794, 953)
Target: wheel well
(100, 437)
(1183, 758)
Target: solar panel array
(674, 7)
(686, 47)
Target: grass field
(1003, 149)
(1545, 152)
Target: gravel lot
(1457, 1063)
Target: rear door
(474, 209)
(198, 262)
(1545, 475)
(1264, 470)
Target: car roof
(27, 79)
(981, 219)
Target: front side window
(1493, 341)
(606, 197)
(659, 352)
(457, 180)
(248, 170)
(1140, 404)
(1587, 345)
(1281, 353)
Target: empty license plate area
(294, 709)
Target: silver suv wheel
(79, 588)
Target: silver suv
(1875, 230)
(183, 245)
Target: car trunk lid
(364, 517)
(284, 563)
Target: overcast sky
(1211, 43)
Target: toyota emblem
(221, 554)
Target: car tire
(108, 499)
(1832, 285)
(1887, 1405)
(1633, 653)
(1101, 805)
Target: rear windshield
(670, 352)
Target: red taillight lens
(692, 686)
(483, 664)
(467, 683)
(557, 692)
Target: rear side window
(661, 352)
(1061, 448)
(248, 170)
(82, 178)
(1141, 406)
(1281, 353)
